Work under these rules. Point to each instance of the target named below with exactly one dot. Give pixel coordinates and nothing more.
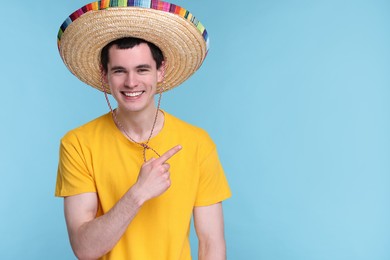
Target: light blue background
(295, 94)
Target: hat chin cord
(144, 145)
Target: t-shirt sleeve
(73, 175)
(213, 185)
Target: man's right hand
(154, 177)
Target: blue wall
(295, 94)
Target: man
(131, 179)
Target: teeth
(132, 94)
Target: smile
(133, 94)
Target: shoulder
(189, 133)
(180, 126)
(89, 130)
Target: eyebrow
(144, 66)
(141, 66)
(117, 68)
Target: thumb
(150, 161)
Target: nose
(131, 80)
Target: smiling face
(132, 75)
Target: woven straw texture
(183, 46)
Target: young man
(131, 179)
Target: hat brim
(181, 41)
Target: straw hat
(180, 36)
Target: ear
(104, 81)
(103, 75)
(161, 72)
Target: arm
(92, 237)
(210, 231)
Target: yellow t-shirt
(97, 158)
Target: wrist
(136, 196)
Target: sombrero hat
(182, 39)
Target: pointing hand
(154, 177)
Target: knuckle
(161, 170)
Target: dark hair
(128, 43)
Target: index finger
(168, 154)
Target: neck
(139, 125)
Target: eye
(143, 70)
(117, 71)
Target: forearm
(97, 237)
(209, 227)
(212, 250)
